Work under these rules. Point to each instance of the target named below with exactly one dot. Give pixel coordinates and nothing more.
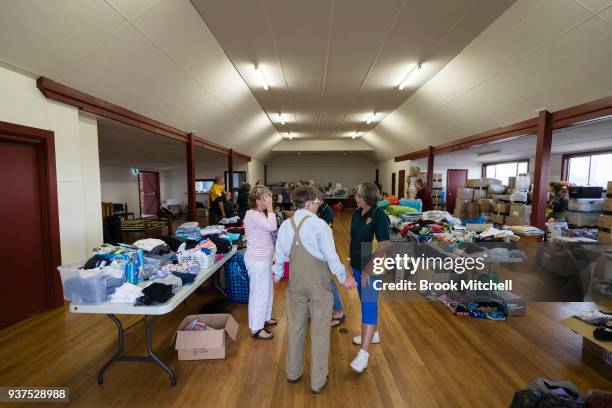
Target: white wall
(76, 141)
(120, 185)
(386, 167)
(255, 171)
(349, 170)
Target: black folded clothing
(95, 262)
(157, 292)
(186, 278)
(172, 242)
(223, 245)
(603, 333)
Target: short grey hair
(369, 192)
(302, 195)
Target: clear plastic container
(585, 204)
(88, 286)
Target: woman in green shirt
(368, 221)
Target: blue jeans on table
(368, 297)
(337, 300)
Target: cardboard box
(205, 344)
(473, 210)
(499, 218)
(607, 207)
(460, 213)
(514, 220)
(511, 182)
(462, 204)
(486, 205)
(465, 193)
(519, 210)
(482, 182)
(598, 348)
(605, 221)
(501, 208)
(604, 237)
(479, 193)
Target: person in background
(368, 221)
(327, 214)
(229, 206)
(216, 198)
(260, 228)
(242, 203)
(309, 244)
(286, 203)
(424, 195)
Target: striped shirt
(258, 230)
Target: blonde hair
(257, 193)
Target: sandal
(271, 322)
(257, 335)
(337, 321)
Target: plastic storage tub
(582, 219)
(585, 204)
(87, 287)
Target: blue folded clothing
(416, 204)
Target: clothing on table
(318, 241)
(191, 267)
(368, 297)
(230, 220)
(242, 203)
(425, 196)
(152, 245)
(259, 229)
(212, 230)
(260, 291)
(308, 295)
(126, 293)
(364, 227)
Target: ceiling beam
(88, 103)
(559, 119)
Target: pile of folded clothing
(152, 246)
(191, 267)
(423, 228)
(126, 293)
(212, 230)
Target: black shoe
(295, 380)
(320, 389)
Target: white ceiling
(155, 57)
(330, 63)
(578, 138)
(549, 54)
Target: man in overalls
(308, 243)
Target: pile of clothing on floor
(544, 393)
(601, 321)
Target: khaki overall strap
(296, 231)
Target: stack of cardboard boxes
(520, 214)
(605, 220)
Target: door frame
(158, 195)
(401, 184)
(447, 178)
(44, 141)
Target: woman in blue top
(368, 221)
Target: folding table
(149, 313)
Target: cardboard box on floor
(205, 344)
(601, 349)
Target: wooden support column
(542, 170)
(430, 167)
(230, 171)
(265, 175)
(191, 194)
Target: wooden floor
(428, 358)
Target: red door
(455, 178)
(148, 182)
(401, 186)
(21, 233)
(392, 183)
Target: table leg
(150, 358)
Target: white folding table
(149, 313)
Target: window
(239, 177)
(203, 185)
(588, 169)
(503, 170)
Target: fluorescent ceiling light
(371, 118)
(281, 118)
(262, 78)
(406, 80)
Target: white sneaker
(375, 339)
(360, 362)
